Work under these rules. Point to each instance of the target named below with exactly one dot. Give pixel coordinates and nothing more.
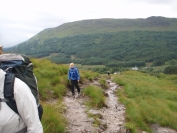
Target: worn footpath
(111, 118)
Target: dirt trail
(78, 120)
(111, 117)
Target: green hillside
(95, 26)
(110, 42)
(148, 99)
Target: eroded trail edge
(111, 117)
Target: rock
(90, 120)
(103, 122)
(87, 130)
(102, 127)
(122, 130)
(120, 124)
(106, 94)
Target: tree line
(124, 48)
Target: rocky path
(111, 117)
(77, 117)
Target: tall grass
(51, 78)
(96, 95)
(148, 100)
(103, 83)
(53, 85)
(89, 75)
(53, 121)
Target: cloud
(151, 2)
(20, 20)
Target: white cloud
(20, 20)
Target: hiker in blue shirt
(74, 77)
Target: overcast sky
(22, 19)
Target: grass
(53, 85)
(88, 75)
(103, 83)
(148, 100)
(96, 118)
(89, 66)
(96, 95)
(53, 121)
(52, 79)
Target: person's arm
(27, 107)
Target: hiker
(108, 72)
(1, 49)
(74, 77)
(27, 121)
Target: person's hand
(78, 80)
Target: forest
(124, 48)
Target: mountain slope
(109, 25)
(106, 41)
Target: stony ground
(111, 117)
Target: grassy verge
(53, 85)
(88, 75)
(96, 95)
(103, 83)
(52, 79)
(148, 100)
(53, 121)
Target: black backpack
(21, 67)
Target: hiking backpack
(21, 67)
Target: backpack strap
(9, 94)
(9, 85)
(24, 130)
(9, 91)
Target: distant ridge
(111, 42)
(94, 26)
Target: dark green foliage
(117, 49)
(158, 63)
(61, 59)
(126, 64)
(170, 70)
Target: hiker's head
(71, 65)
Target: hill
(148, 100)
(111, 42)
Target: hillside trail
(111, 118)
